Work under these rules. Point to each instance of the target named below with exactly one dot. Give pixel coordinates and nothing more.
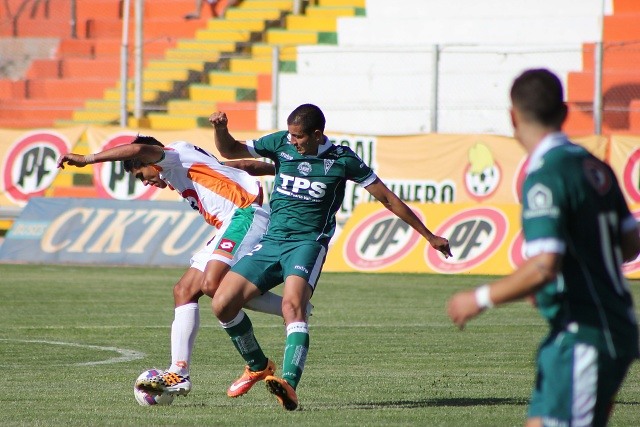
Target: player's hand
(72, 159)
(441, 244)
(462, 307)
(218, 120)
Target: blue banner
(100, 231)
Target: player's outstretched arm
(226, 144)
(525, 281)
(392, 202)
(146, 153)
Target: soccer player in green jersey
(578, 232)
(309, 188)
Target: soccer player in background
(578, 232)
(229, 199)
(308, 190)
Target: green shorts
(576, 382)
(234, 239)
(272, 261)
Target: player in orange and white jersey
(229, 198)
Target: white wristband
(90, 158)
(482, 297)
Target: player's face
(149, 176)
(305, 144)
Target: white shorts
(234, 239)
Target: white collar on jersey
(548, 142)
(324, 146)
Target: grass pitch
(383, 352)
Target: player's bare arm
(253, 167)
(525, 281)
(227, 145)
(147, 154)
(392, 202)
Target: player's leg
(570, 382)
(254, 274)
(302, 266)
(184, 330)
(227, 304)
(196, 13)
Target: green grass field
(383, 352)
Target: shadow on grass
(461, 401)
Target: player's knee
(221, 305)
(209, 286)
(183, 293)
(292, 310)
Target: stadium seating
(372, 73)
(83, 65)
(240, 83)
(382, 68)
(621, 80)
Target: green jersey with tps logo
(308, 190)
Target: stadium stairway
(188, 62)
(621, 80)
(237, 83)
(83, 65)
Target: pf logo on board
(30, 165)
(379, 241)
(474, 236)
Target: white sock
(268, 302)
(271, 303)
(184, 329)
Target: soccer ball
(147, 399)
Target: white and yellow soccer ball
(147, 399)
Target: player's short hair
(131, 164)
(309, 116)
(538, 95)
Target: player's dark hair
(309, 116)
(538, 95)
(139, 139)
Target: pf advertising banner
(484, 239)
(96, 231)
(28, 161)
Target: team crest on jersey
(540, 202)
(327, 165)
(597, 175)
(304, 168)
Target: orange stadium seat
(85, 66)
(621, 80)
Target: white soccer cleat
(169, 383)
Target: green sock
(295, 352)
(240, 331)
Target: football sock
(295, 352)
(240, 331)
(184, 329)
(268, 302)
